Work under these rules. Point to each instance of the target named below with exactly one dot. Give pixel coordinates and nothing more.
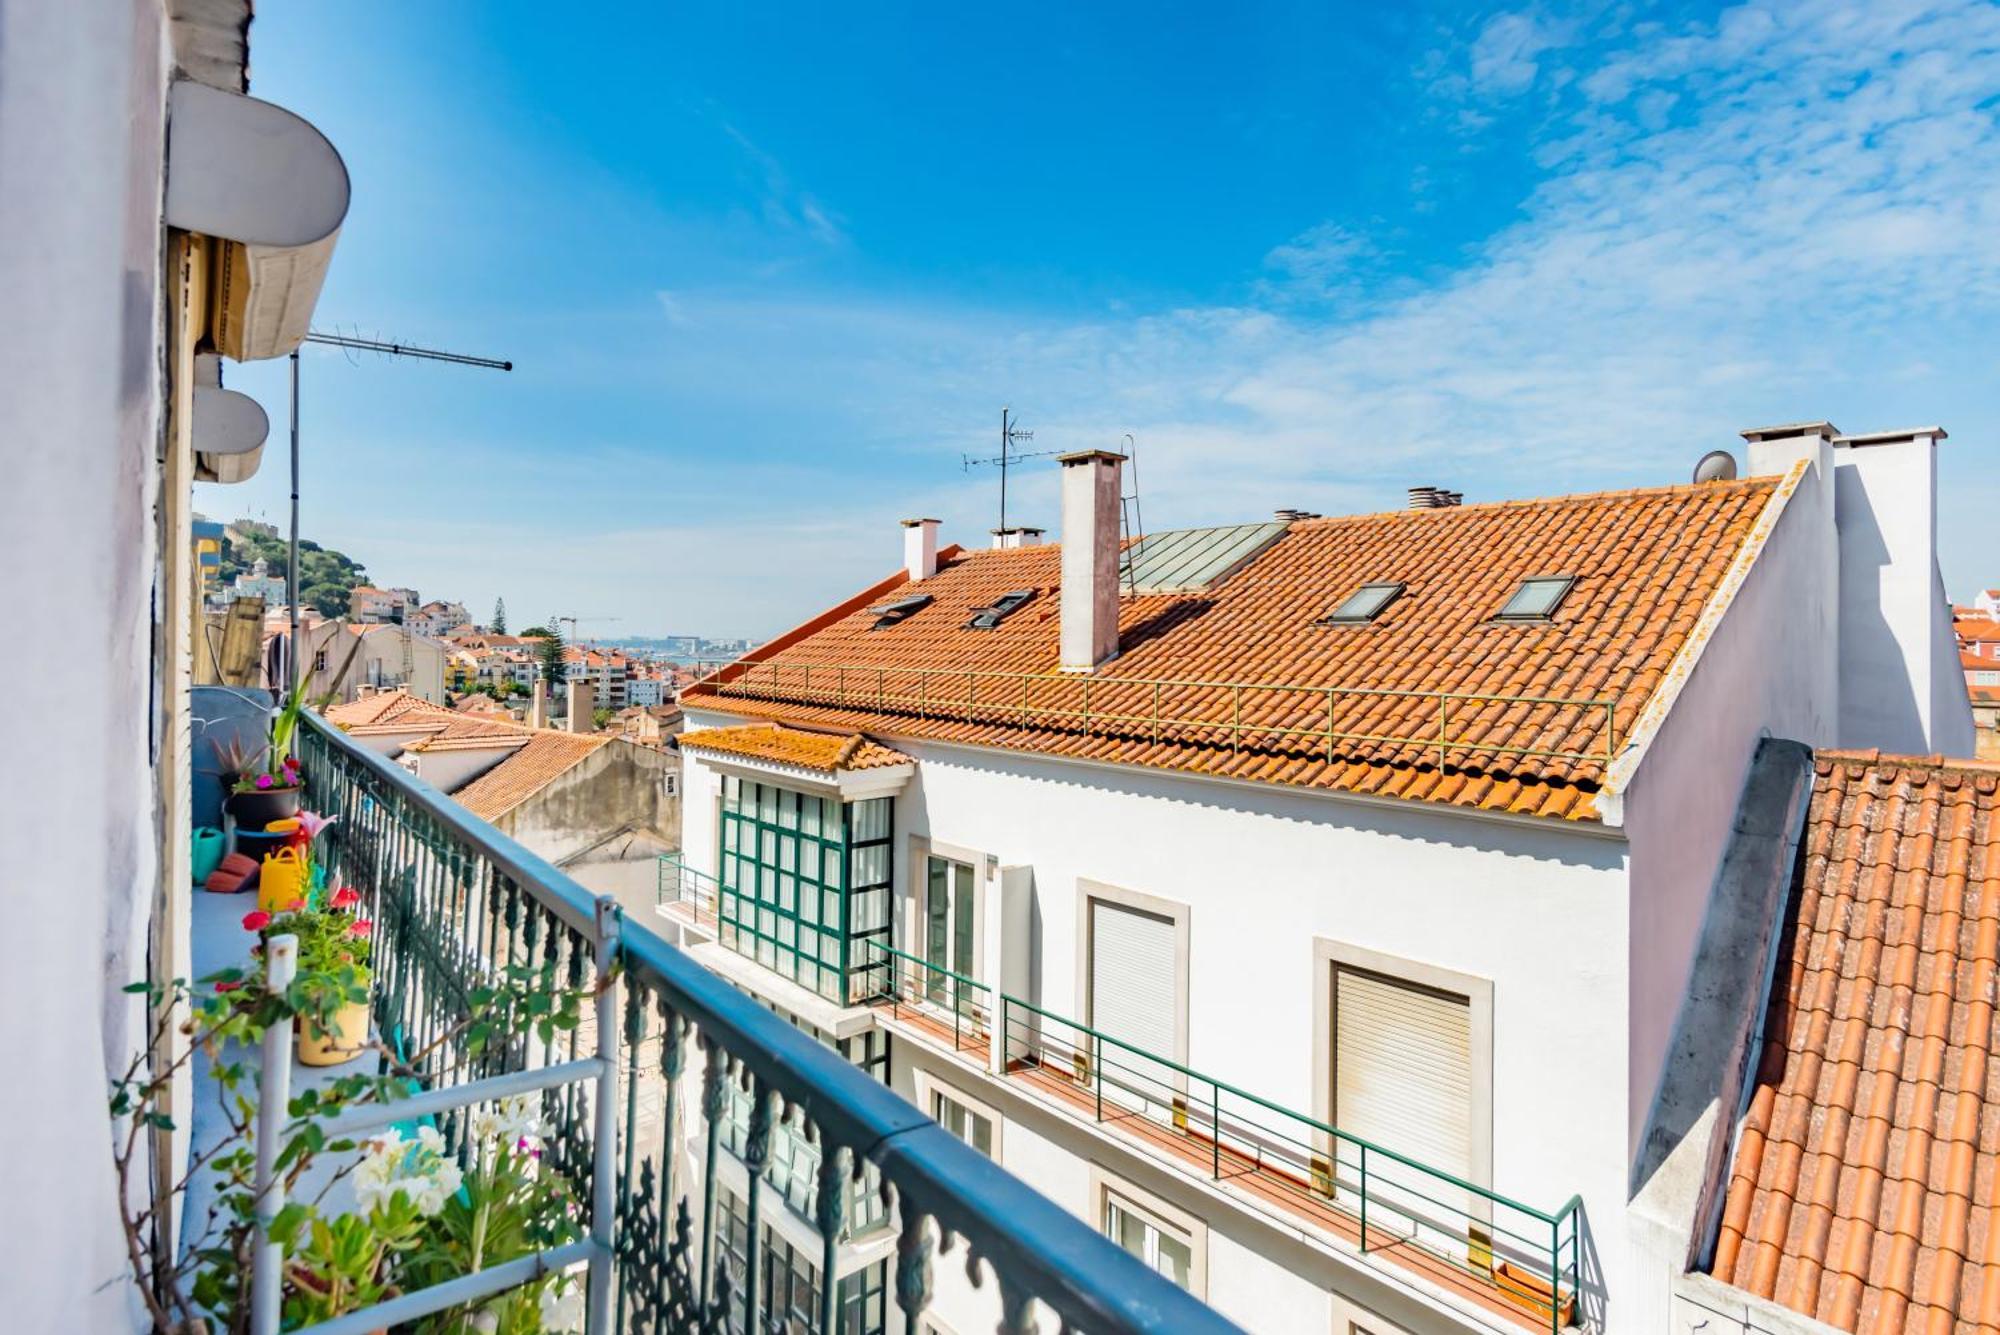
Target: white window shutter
(1135, 993)
(1403, 1069)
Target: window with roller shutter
(1135, 981)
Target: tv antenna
(1131, 519)
(1010, 432)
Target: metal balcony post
(603, 1152)
(1555, 1276)
(1364, 1187)
(274, 1096)
(957, 1002)
(1215, 1123)
(1097, 1069)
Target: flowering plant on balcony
(334, 940)
(510, 1207)
(411, 1196)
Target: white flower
(561, 1305)
(418, 1170)
(509, 1124)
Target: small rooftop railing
(682, 889)
(1519, 1257)
(454, 899)
(1232, 715)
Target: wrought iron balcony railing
(453, 900)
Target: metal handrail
(1556, 1221)
(1037, 1247)
(704, 887)
(1326, 1128)
(867, 686)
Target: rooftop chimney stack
(920, 548)
(1006, 539)
(1090, 539)
(1434, 498)
(582, 698)
(538, 705)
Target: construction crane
(573, 620)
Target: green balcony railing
(935, 992)
(1383, 1201)
(680, 887)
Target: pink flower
(346, 896)
(295, 906)
(227, 986)
(263, 781)
(256, 920)
(360, 927)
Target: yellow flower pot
(347, 1040)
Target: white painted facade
(1580, 933)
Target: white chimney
(1090, 535)
(538, 705)
(582, 699)
(1006, 539)
(920, 548)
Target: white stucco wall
(1766, 670)
(1528, 906)
(1890, 598)
(81, 114)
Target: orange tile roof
(547, 756)
(380, 708)
(1646, 563)
(793, 746)
(1862, 1191)
(1976, 628)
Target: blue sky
(766, 272)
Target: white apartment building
(1318, 907)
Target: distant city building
(208, 536)
(260, 583)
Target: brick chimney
(582, 699)
(920, 548)
(1090, 536)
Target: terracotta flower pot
(347, 1040)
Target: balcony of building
(685, 1118)
(1516, 1263)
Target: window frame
(1392, 590)
(1159, 1213)
(775, 924)
(1089, 892)
(1547, 614)
(1328, 957)
(930, 1087)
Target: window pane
(788, 809)
(809, 809)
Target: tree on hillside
(499, 616)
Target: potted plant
(335, 945)
(266, 784)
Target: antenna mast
(1010, 432)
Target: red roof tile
(794, 746)
(1646, 563)
(1862, 1188)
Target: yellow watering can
(283, 880)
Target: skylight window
(888, 614)
(986, 618)
(1537, 598)
(1363, 605)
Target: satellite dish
(1716, 466)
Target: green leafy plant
(510, 1207)
(336, 1261)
